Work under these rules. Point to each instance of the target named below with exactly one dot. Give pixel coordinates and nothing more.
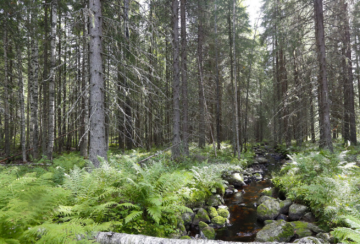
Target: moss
(201, 216)
(220, 188)
(212, 212)
(219, 220)
(209, 233)
(181, 227)
(185, 237)
(202, 225)
(223, 212)
(301, 228)
(288, 231)
(266, 222)
(267, 191)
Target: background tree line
(160, 73)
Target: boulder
(269, 209)
(215, 200)
(284, 206)
(267, 192)
(234, 178)
(262, 160)
(309, 217)
(187, 218)
(201, 215)
(223, 213)
(212, 212)
(229, 191)
(258, 176)
(218, 221)
(283, 217)
(206, 232)
(326, 237)
(279, 231)
(263, 199)
(296, 211)
(308, 240)
(266, 222)
(302, 229)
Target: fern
(133, 215)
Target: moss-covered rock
(326, 237)
(185, 237)
(208, 232)
(280, 231)
(219, 221)
(296, 211)
(263, 199)
(302, 229)
(234, 178)
(215, 200)
(267, 192)
(308, 240)
(202, 225)
(284, 206)
(266, 222)
(201, 215)
(223, 213)
(269, 209)
(212, 212)
(187, 218)
(258, 176)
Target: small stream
(243, 217)
(242, 208)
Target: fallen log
(120, 238)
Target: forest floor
(69, 198)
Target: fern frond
(133, 215)
(155, 213)
(129, 205)
(347, 235)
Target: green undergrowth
(329, 184)
(70, 201)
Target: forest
(182, 121)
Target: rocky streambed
(251, 210)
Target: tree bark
(218, 90)
(21, 100)
(185, 120)
(176, 81)
(84, 98)
(200, 33)
(51, 136)
(97, 113)
(6, 91)
(324, 121)
(235, 88)
(349, 107)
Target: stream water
(243, 217)
(242, 208)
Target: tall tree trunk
(324, 111)
(97, 117)
(235, 88)
(176, 81)
(45, 84)
(59, 80)
(185, 120)
(84, 98)
(349, 107)
(6, 90)
(34, 76)
(200, 70)
(218, 90)
(21, 100)
(128, 112)
(50, 146)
